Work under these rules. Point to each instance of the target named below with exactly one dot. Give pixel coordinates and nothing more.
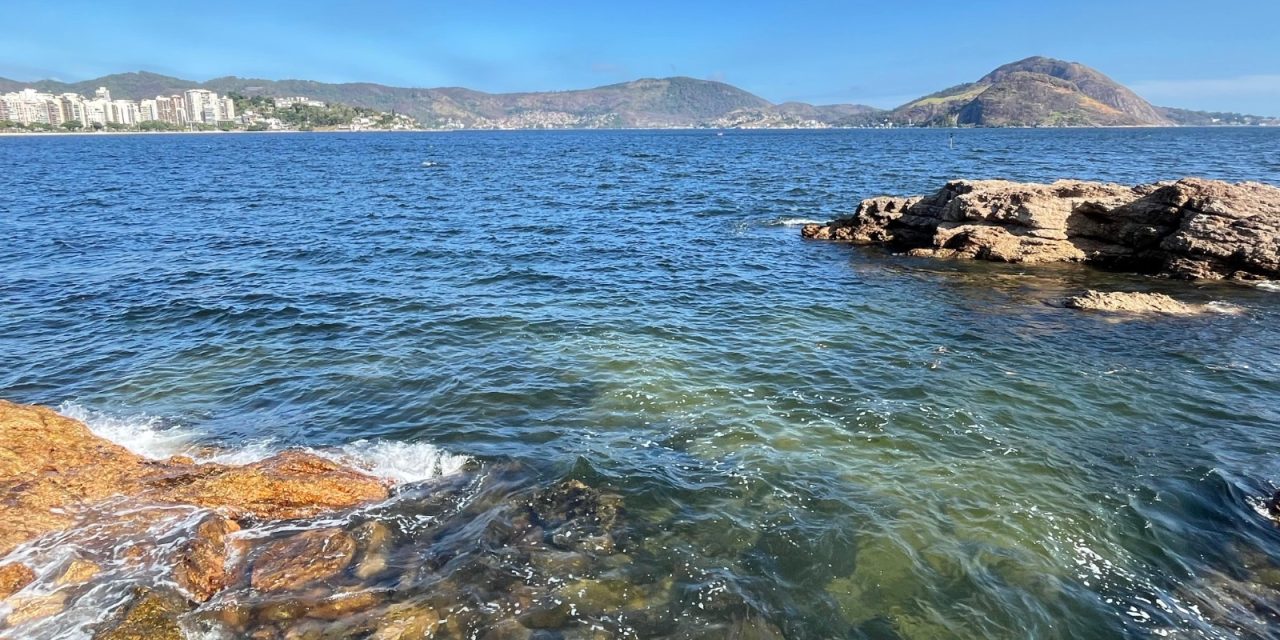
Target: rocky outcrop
(55, 474)
(1192, 228)
(1129, 302)
(53, 470)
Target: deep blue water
(852, 443)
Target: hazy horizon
(815, 52)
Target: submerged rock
(153, 615)
(1192, 228)
(78, 571)
(1130, 302)
(35, 607)
(578, 517)
(201, 568)
(299, 560)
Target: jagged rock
(53, 469)
(13, 577)
(78, 571)
(310, 556)
(1129, 302)
(201, 567)
(1192, 228)
(153, 615)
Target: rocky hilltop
(1192, 228)
(1037, 91)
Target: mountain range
(1035, 92)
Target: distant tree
(97, 126)
(156, 125)
(72, 125)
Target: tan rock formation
(1191, 228)
(1130, 302)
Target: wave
(1226, 308)
(794, 222)
(1269, 285)
(153, 437)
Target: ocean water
(839, 441)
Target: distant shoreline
(202, 133)
(707, 129)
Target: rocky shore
(96, 541)
(1191, 228)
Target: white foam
(794, 222)
(399, 462)
(148, 436)
(142, 434)
(1269, 285)
(1218, 306)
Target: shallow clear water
(846, 442)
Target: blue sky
(1221, 56)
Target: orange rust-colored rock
(310, 556)
(53, 469)
(202, 565)
(288, 485)
(13, 577)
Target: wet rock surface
(1129, 302)
(494, 551)
(53, 469)
(201, 568)
(1191, 228)
(152, 615)
(13, 577)
(302, 559)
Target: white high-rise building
(30, 106)
(202, 106)
(171, 109)
(97, 111)
(73, 108)
(125, 111)
(102, 94)
(148, 110)
(227, 112)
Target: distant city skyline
(1177, 53)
